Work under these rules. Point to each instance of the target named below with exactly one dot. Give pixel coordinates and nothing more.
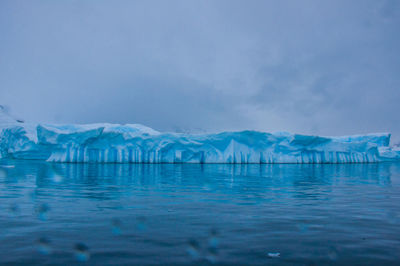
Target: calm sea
(193, 214)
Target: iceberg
(134, 143)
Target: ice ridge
(134, 143)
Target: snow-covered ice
(134, 143)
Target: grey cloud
(315, 67)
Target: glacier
(134, 143)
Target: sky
(310, 67)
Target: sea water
(191, 214)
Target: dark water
(199, 214)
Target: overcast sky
(313, 67)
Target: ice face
(133, 143)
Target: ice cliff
(133, 143)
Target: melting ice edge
(134, 143)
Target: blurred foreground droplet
(141, 223)
(212, 248)
(57, 178)
(303, 227)
(332, 253)
(116, 226)
(392, 217)
(193, 249)
(81, 252)
(32, 195)
(3, 173)
(42, 211)
(213, 240)
(14, 209)
(53, 174)
(43, 245)
(211, 258)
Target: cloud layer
(314, 67)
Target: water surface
(182, 214)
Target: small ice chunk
(274, 254)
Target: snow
(134, 143)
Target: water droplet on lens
(14, 209)
(213, 241)
(211, 258)
(212, 250)
(42, 211)
(3, 174)
(32, 195)
(332, 253)
(81, 252)
(116, 226)
(392, 217)
(193, 249)
(43, 245)
(57, 178)
(303, 227)
(141, 223)
(54, 175)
